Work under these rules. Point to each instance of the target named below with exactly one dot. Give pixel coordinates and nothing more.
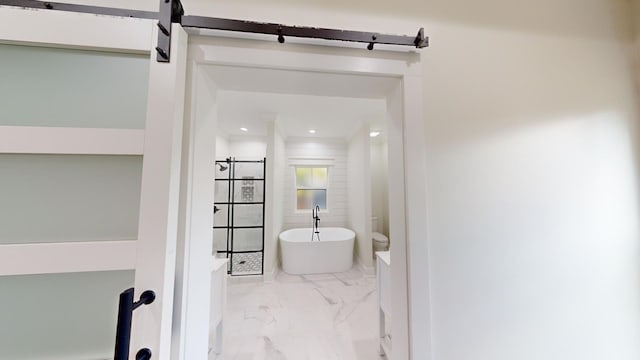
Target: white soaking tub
(333, 253)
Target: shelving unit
(243, 190)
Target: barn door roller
(171, 11)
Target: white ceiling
(300, 82)
(295, 115)
(335, 105)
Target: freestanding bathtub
(333, 253)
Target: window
(311, 187)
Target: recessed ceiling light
(312, 131)
(374, 133)
(244, 129)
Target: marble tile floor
(306, 317)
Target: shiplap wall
(336, 214)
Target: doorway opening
(252, 78)
(314, 130)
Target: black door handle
(143, 354)
(123, 329)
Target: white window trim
(311, 161)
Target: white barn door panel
(73, 277)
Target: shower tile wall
(337, 195)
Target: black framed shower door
(239, 213)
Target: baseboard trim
(245, 279)
(271, 276)
(367, 270)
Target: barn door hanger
(172, 11)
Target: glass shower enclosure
(238, 223)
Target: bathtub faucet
(316, 222)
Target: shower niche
(238, 224)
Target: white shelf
(59, 140)
(52, 258)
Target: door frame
(170, 153)
(409, 267)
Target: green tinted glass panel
(307, 177)
(54, 198)
(303, 177)
(60, 316)
(319, 176)
(308, 199)
(42, 86)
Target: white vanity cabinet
(384, 298)
(218, 302)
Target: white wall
(242, 148)
(276, 166)
(359, 194)
(222, 148)
(336, 151)
(533, 212)
(190, 328)
(380, 185)
(279, 172)
(249, 148)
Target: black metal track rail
(418, 41)
(98, 10)
(241, 203)
(239, 226)
(240, 251)
(171, 11)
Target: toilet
(380, 241)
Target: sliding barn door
(90, 137)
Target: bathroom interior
(293, 155)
